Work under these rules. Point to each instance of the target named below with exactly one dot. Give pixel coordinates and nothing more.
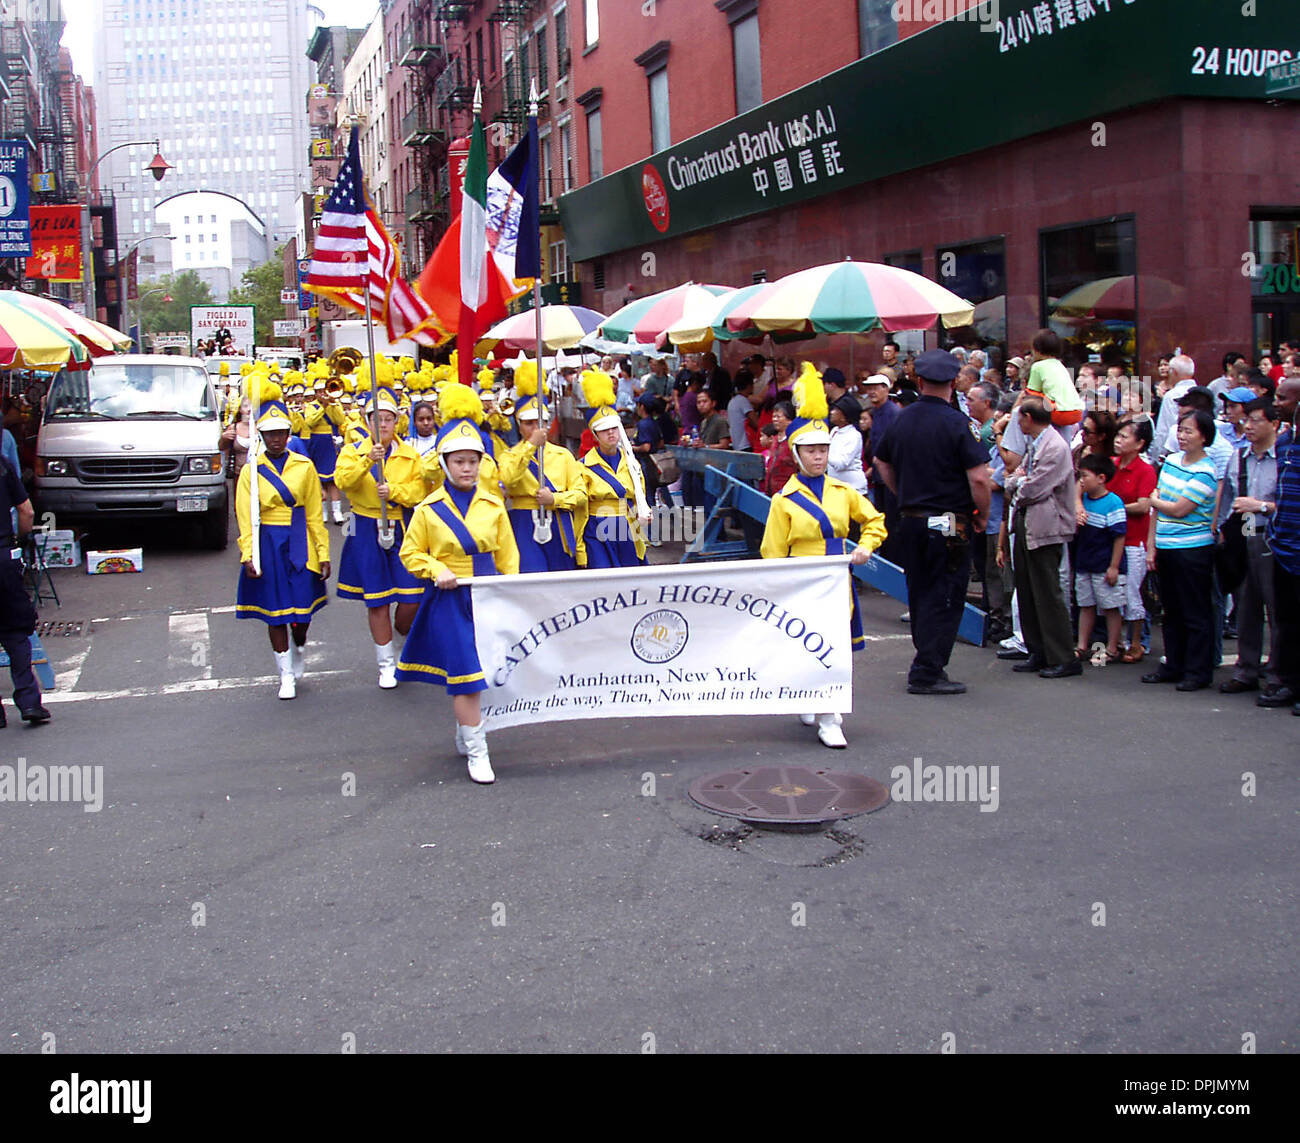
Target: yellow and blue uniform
(367, 571)
(610, 542)
(319, 437)
(520, 477)
(466, 533)
(293, 541)
(489, 476)
(810, 516)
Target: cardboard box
(115, 561)
(58, 548)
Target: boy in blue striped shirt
(1099, 556)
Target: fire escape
(422, 50)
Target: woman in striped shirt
(1181, 549)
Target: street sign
(15, 219)
(170, 340)
(290, 327)
(1284, 76)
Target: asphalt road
(621, 915)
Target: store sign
(238, 321)
(15, 218)
(56, 244)
(916, 104)
(289, 296)
(42, 181)
(322, 148)
(289, 327)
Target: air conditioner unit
(562, 88)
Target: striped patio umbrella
(95, 336)
(562, 328)
(646, 319)
(850, 297)
(30, 340)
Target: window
(561, 267)
(592, 9)
(877, 27)
(977, 271)
(595, 146)
(749, 66)
(562, 41)
(566, 156)
(543, 77)
(661, 135)
(905, 260)
(548, 171)
(1076, 302)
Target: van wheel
(214, 531)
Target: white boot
(828, 730)
(808, 719)
(284, 661)
(299, 660)
(387, 661)
(480, 765)
(338, 511)
(462, 747)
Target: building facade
(1155, 210)
(226, 104)
(216, 236)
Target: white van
(135, 437)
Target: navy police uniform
(931, 448)
(17, 615)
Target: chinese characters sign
(56, 244)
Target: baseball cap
(1238, 396)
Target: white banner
(743, 637)
(208, 321)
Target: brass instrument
(345, 359)
(334, 389)
(506, 407)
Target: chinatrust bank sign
(825, 136)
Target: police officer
(17, 615)
(935, 465)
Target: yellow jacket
(430, 547)
(300, 478)
(793, 532)
(401, 470)
(313, 413)
(602, 500)
(566, 476)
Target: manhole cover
(788, 795)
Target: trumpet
(506, 406)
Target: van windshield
(120, 391)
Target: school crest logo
(660, 636)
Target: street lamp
(158, 167)
(139, 309)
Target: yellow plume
(456, 401)
(598, 388)
(810, 395)
(526, 379)
(486, 378)
(259, 389)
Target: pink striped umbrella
(647, 319)
(849, 297)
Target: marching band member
(548, 522)
(320, 446)
(616, 508)
(293, 545)
(370, 568)
(461, 402)
(495, 423)
(424, 429)
(811, 515)
(461, 530)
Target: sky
(79, 36)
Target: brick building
(732, 140)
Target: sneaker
(828, 730)
(906, 617)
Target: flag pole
(251, 462)
(537, 318)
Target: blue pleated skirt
(608, 553)
(535, 557)
(369, 573)
(320, 448)
(440, 647)
(281, 595)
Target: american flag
(353, 248)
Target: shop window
(1275, 279)
(977, 271)
(1090, 292)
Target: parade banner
(744, 637)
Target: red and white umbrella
(647, 319)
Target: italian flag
(475, 313)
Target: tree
(261, 288)
(184, 290)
